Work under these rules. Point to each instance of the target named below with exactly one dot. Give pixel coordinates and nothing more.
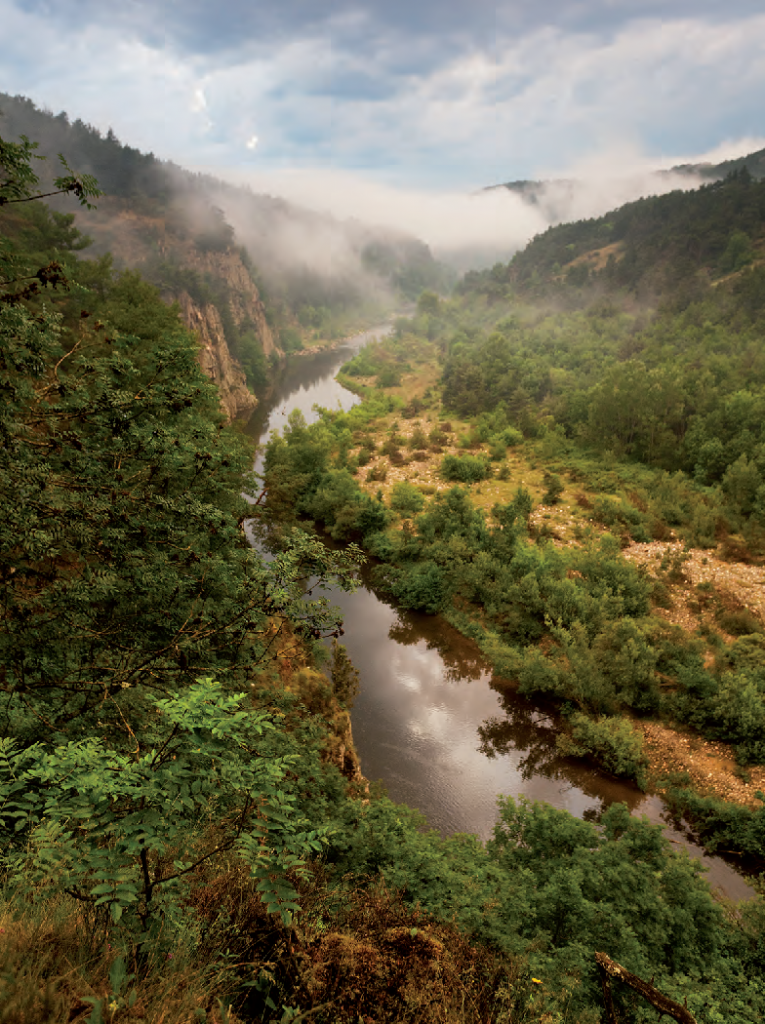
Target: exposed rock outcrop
(236, 400)
(244, 298)
(145, 243)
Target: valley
(519, 544)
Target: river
(427, 722)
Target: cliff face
(236, 400)
(244, 298)
(147, 244)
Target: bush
(418, 439)
(389, 378)
(612, 742)
(555, 488)
(738, 622)
(377, 473)
(406, 499)
(465, 469)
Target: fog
(477, 229)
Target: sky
(424, 96)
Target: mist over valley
(382, 513)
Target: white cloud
(536, 103)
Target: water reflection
(459, 661)
(425, 696)
(526, 730)
(428, 721)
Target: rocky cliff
(236, 400)
(210, 286)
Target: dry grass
(55, 962)
(360, 954)
(354, 954)
(711, 766)
(708, 587)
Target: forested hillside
(558, 195)
(668, 247)
(184, 835)
(256, 277)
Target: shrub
(389, 378)
(465, 468)
(391, 447)
(554, 489)
(418, 439)
(583, 501)
(406, 499)
(738, 622)
(613, 742)
(438, 437)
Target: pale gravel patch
(711, 766)
(746, 583)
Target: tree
(18, 181)
(406, 499)
(124, 831)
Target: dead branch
(610, 969)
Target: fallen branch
(610, 969)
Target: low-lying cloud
(480, 228)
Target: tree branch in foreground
(610, 969)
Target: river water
(427, 722)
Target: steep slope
(213, 287)
(672, 246)
(256, 275)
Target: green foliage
(612, 887)
(421, 587)
(559, 888)
(85, 819)
(738, 253)
(20, 182)
(613, 742)
(406, 499)
(722, 825)
(465, 468)
(345, 677)
(120, 522)
(553, 489)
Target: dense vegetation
(177, 840)
(652, 420)
(180, 217)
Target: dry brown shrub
(660, 530)
(638, 501)
(722, 528)
(582, 500)
(388, 962)
(735, 549)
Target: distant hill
(531, 189)
(669, 247)
(256, 276)
(754, 163)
